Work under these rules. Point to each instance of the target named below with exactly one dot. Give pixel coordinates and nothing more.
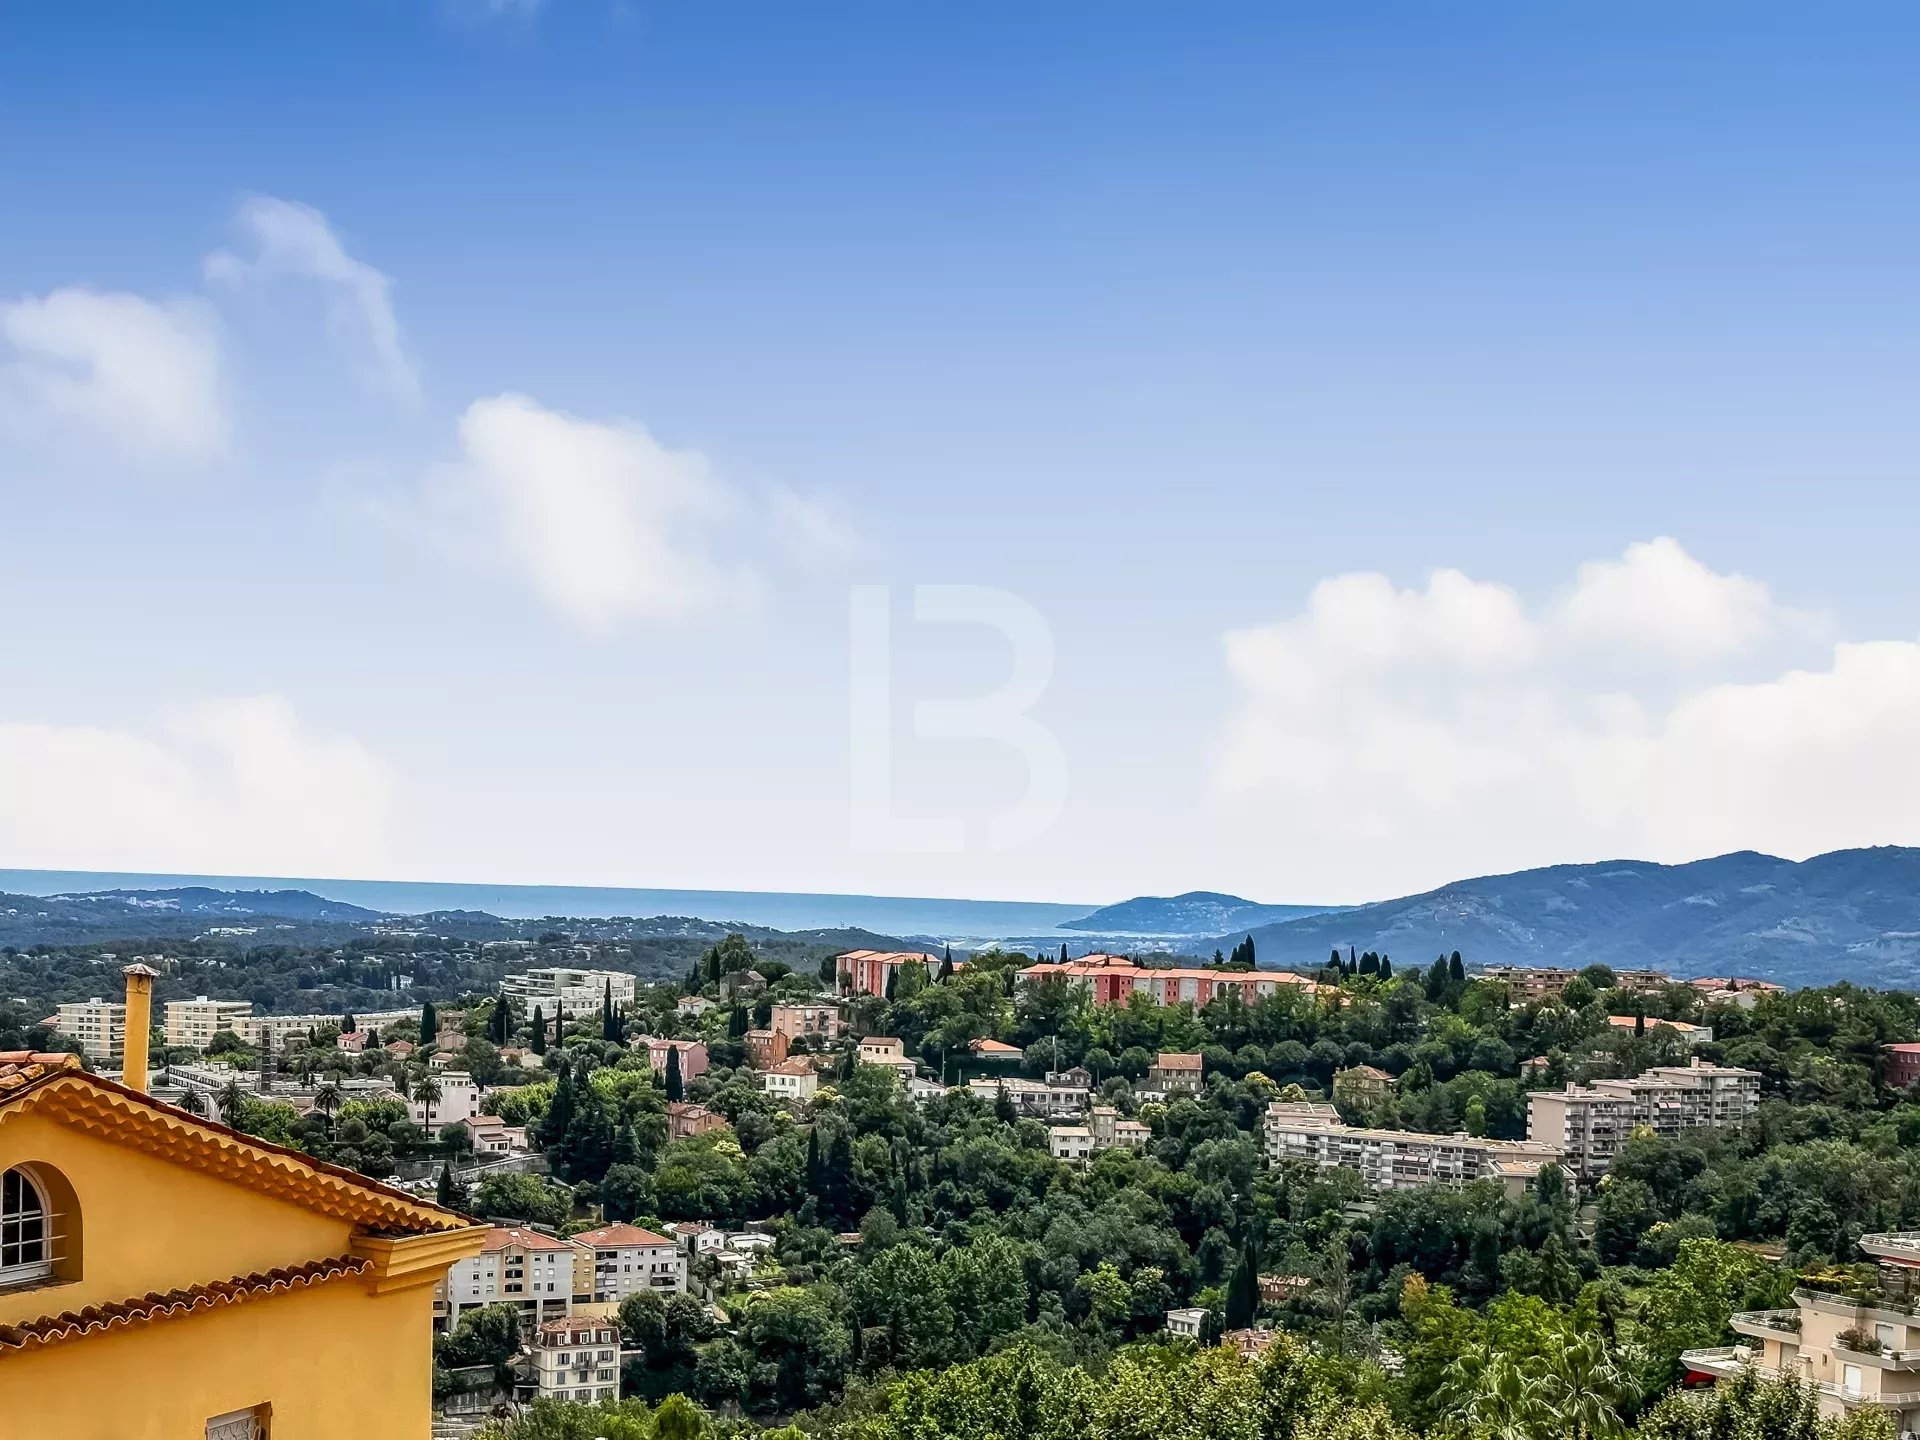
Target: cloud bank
(1653, 708)
(235, 786)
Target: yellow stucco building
(165, 1278)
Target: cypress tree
(539, 1042)
(675, 1089)
(556, 1129)
(1456, 972)
(626, 1146)
(946, 965)
(589, 1143)
(1386, 968)
(347, 1027)
(609, 1017)
(737, 1022)
(1063, 952)
(449, 1193)
(429, 1024)
(1243, 1290)
(813, 1160)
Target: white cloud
(1656, 597)
(1416, 736)
(294, 242)
(606, 523)
(80, 366)
(233, 786)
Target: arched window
(26, 1249)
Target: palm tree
(230, 1100)
(327, 1100)
(427, 1091)
(1586, 1386)
(194, 1103)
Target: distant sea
(956, 920)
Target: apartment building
(1694, 1035)
(628, 1260)
(693, 1055)
(271, 1032)
(576, 1358)
(1902, 1066)
(1361, 1087)
(1858, 1351)
(1176, 1074)
(766, 1048)
(1592, 1122)
(1188, 1321)
(575, 991)
(1529, 982)
(98, 1026)
(1072, 1143)
(686, 1119)
(820, 1023)
(1114, 980)
(1399, 1159)
(1109, 1129)
(868, 972)
(532, 1271)
(1063, 1092)
(461, 1099)
(890, 1054)
(194, 1023)
(791, 1080)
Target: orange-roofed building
(628, 1260)
(1114, 980)
(162, 1276)
(866, 972)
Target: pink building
(693, 1055)
(866, 972)
(1114, 979)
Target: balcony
(1768, 1324)
(1861, 1304)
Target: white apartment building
(1072, 1143)
(271, 1032)
(195, 1022)
(791, 1080)
(1187, 1321)
(577, 1358)
(1400, 1159)
(1591, 1123)
(519, 1267)
(628, 1260)
(1064, 1092)
(576, 990)
(461, 1099)
(100, 1027)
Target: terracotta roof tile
(71, 1325)
(620, 1237)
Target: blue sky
(1157, 317)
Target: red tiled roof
(620, 1237)
(51, 1329)
(1172, 1060)
(503, 1237)
(993, 1047)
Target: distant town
(758, 1182)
